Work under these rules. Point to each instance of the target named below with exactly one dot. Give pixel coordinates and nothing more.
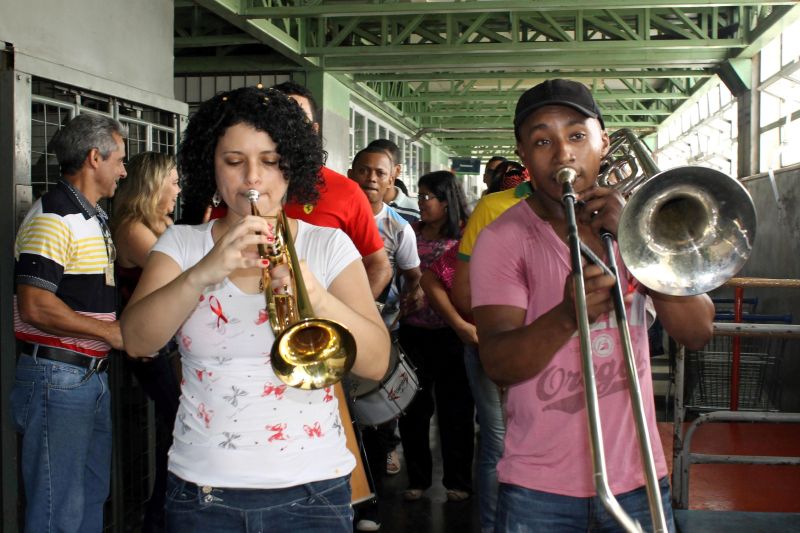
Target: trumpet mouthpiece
(566, 175)
(252, 195)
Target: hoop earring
(215, 200)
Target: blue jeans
(521, 510)
(493, 429)
(64, 415)
(322, 506)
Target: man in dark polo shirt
(65, 318)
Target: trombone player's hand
(598, 294)
(601, 209)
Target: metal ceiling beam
(464, 124)
(211, 41)
(233, 64)
(392, 8)
(531, 76)
(780, 19)
(264, 31)
(537, 47)
(503, 96)
(466, 63)
(490, 114)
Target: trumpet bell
(313, 353)
(687, 230)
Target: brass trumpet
(308, 352)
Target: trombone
(308, 352)
(683, 232)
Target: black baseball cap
(556, 92)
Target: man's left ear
(94, 157)
(606, 143)
(315, 127)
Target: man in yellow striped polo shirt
(65, 318)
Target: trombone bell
(687, 230)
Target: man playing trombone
(525, 311)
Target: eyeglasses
(427, 197)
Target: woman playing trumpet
(248, 449)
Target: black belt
(97, 364)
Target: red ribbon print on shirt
(216, 308)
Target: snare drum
(391, 396)
(357, 386)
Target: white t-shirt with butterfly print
(238, 425)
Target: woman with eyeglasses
(142, 208)
(437, 352)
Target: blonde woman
(142, 208)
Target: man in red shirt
(342, 205)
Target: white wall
(124, 41)
(775, 255)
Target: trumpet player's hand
(281, 283)
(235, 249)
(602, 207)
(598, 294)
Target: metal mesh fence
(708, 374)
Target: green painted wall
(334, 99)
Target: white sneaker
(392, 463)
(367, 525)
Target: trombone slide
(566, 176)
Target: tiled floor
(743, 487)
(430, 514)
(712, 487)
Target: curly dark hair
(444, 186)
(270, 111)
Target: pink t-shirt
(547, 438)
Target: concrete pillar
(749, 119)
(333, 98)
